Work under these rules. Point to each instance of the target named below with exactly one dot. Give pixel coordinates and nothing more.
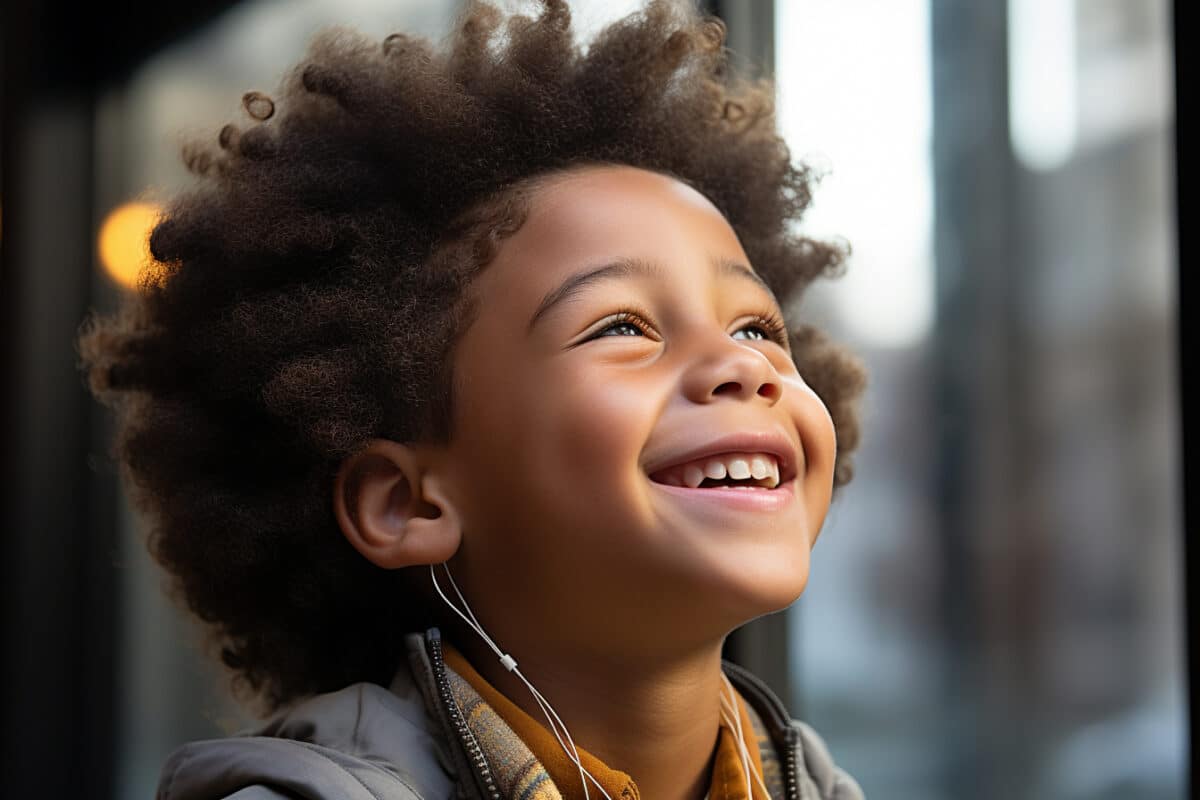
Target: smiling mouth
(759, 472)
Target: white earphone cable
(729, 708)
(729, 711)
(511, 665)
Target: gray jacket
(409, 741)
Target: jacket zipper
(466, 738)
(792, 785)
(778, 716)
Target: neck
(655, 719)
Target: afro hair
(305, 296)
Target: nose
(726, 369)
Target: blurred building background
(995, 608)
(996, 603)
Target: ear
(392, 509)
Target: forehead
(599, 212)
(621, 184)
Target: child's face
(559, 423)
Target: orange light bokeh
(124, 241)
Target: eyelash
(770, 322)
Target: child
(460, 404)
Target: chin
(763, 592)
(787, 594)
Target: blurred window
(995, 601)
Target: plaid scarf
(519, 775)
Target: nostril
(770, 390)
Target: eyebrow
(632, 267)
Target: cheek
(813, 423)
(818, 442)
(596, 424)
(547, 444)
(491, 415)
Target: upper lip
(773, 442)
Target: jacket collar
(430, 672)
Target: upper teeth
(738, 466)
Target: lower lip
(738, 499)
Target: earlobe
(393, 509)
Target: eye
(762, 334)
(768, 328)
(622, 328)
(623, 323)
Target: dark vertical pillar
(973, 381)
(57, 516)
(1188, 398)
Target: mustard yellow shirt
(728, 780)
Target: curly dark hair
(306, 295)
